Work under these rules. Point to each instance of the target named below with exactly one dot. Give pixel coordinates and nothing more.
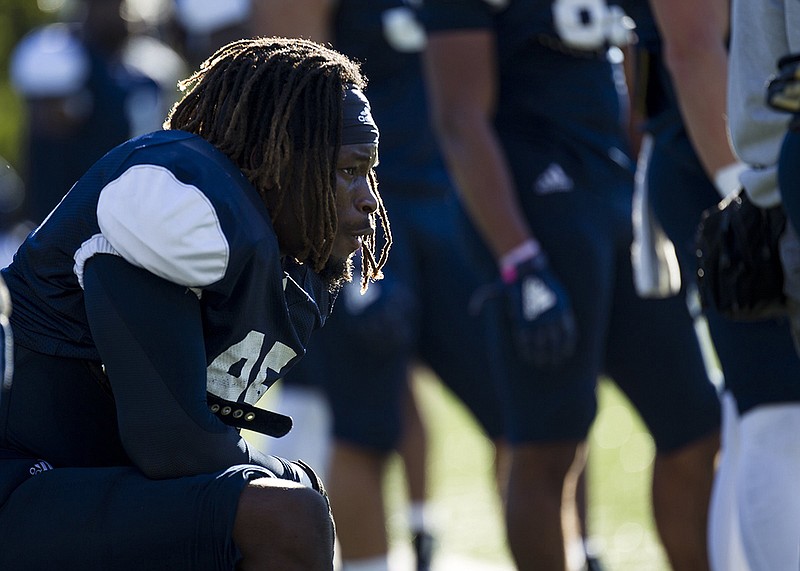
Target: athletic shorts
(758, 359)
(105, 519)
(418, 312)
(578, 203)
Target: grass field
(466, 508)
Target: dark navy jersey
(556, 83)
(170, 203)
(580, 28)
(387, 38)
(522, 21)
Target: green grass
(466, 507)
(467, 514)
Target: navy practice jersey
(577, 27)
(172, 204)
(387, 38)
(549, 59)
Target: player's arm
(695, 35)
(150, 336)
(309, 19)
(460, 71)
(460, 68)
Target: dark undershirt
(149, 333)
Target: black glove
(543, 324)
(739, 271)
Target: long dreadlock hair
(274, 107)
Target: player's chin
(338, 271)
(345, 245)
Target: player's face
(355, 201)
(355, 204)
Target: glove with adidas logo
(543, 324)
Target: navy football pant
(100, 519)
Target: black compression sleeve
(150, 337)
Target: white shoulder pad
(49, 62)
(165, 226)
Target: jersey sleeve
(149, 333)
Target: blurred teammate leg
(682, 482)
(414, 453)
(539, 542)
(355, 485)
(582, 494)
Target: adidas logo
(553, 179)
(39, 467)
(536, 298)
(365, 116)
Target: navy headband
(358, 126)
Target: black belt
(243, 415)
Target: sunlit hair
(274, 106)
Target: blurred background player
(419, 312)
(81, 97)
(528, 103)
(769, 452)
(689, 166)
